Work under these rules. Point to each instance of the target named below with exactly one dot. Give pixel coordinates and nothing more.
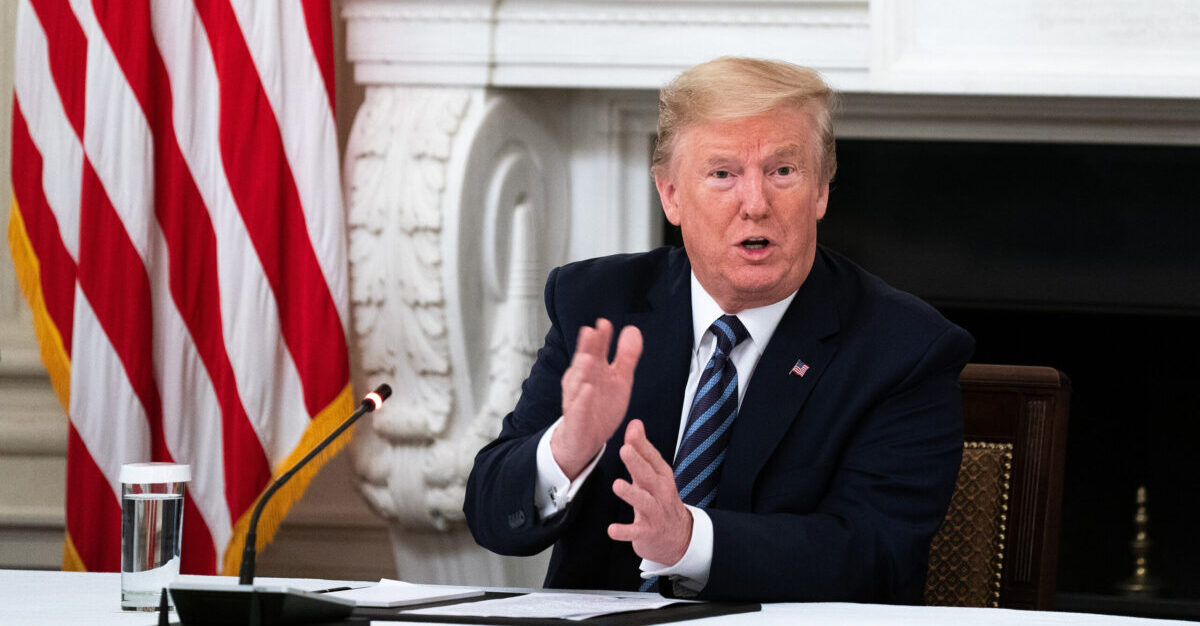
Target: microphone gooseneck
(371, 402)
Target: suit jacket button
(516, 519)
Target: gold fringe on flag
(50, 345)
(72, 562)
(272, 516)
(29, 276)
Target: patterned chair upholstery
(999, 544)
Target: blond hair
(736, 87)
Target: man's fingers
(633, 495)
(635, 430)
(635, 435)
(591, 346)
(598, 341)
(584, 344)
(605, 328)
(640, 470)
(587, 361)
(583, 399)
(584, 368)
(646, 466)
(592, 343)
(629, 350)
(622, 532)
(570, 383)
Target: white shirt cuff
(554, 491)
(691, 572)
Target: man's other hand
(595, 394)
(662, 524)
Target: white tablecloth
(69, 598)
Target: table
(71, 598)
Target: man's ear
(666, 193)
(822, 201)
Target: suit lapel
(775, 396)
(667, 341)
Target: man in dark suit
(773, 423)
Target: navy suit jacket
(834, 482)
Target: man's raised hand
(595, 394)
(662, 524)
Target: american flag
(177, 230)
(800, 368)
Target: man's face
(747, 194)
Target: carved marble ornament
(455, 198)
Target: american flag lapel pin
(800, 368)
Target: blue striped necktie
(702, 452)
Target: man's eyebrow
(716, 161)
(790, 150)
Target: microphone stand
(203, 605)
(371, 402)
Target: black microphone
(370, 402)
(245, 603)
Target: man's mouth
(754, 243)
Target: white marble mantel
(501, 137)
(1094, 48)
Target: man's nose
(755, 204)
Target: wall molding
(33, 448)
(595, 43)
(1102, 48)
(1076, 119)
(766, 13)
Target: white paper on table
(571, 606)
(392, 593)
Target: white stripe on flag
(115, 137)
(118, 142)
(295, 88)
(250, 316)
(62, 156)
(106, 412)
(192, 428)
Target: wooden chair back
(999, 544)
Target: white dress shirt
(553, 491)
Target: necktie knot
(729, 331)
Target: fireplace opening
(1084, 257)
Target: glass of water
(151, 523)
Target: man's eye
(786, 170)
(721, 174)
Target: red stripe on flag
(320, 35)
(93, 513)
(265, 192)
(192, 248)
(113, 278)
(68, 56)
(57, 267)
(199, 555)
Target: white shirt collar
(760, 322)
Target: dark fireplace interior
(1084, 257)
